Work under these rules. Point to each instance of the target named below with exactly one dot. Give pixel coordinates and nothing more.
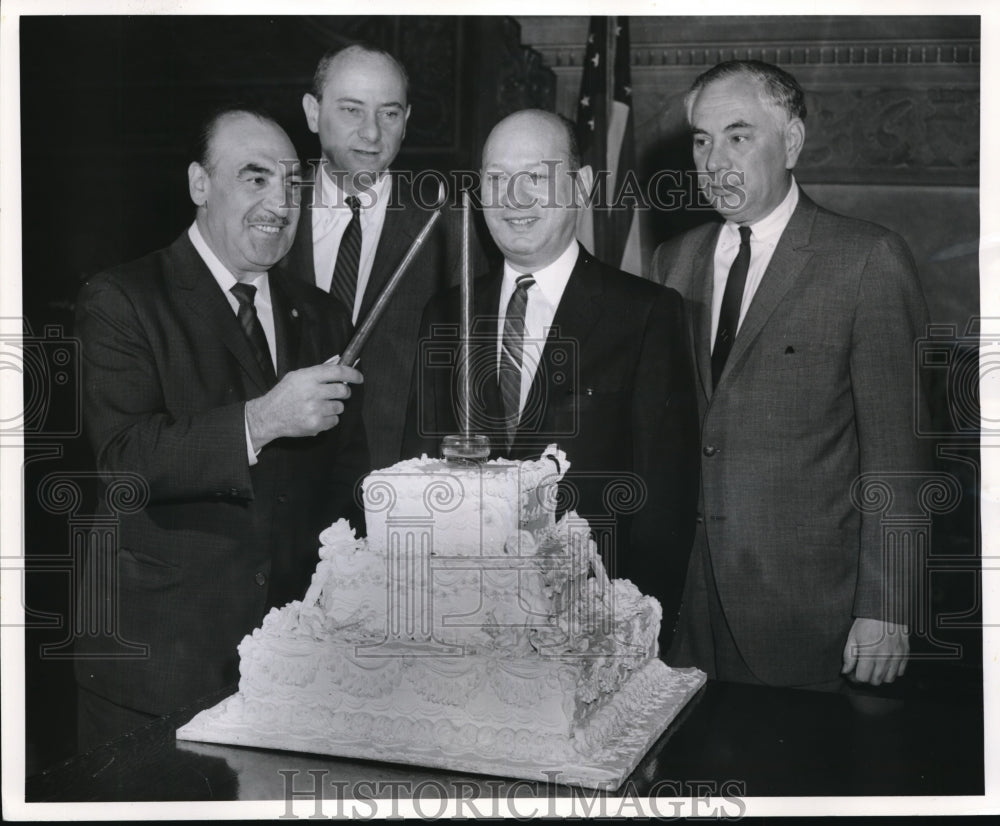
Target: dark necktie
(732, 299)
(345, 271)
(247, 316)
(511, 354)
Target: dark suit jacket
(387, 358)
(166, 372)
(818, 389)
(614, 389)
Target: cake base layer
(641, 712)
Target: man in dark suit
(203, 373)
(803, 325)
(569, 350)
(358, 106)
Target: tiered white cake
(469, 631)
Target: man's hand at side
(305, 402)
(876, 651)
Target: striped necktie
(345, 271)
(511, 355)
(247, 316)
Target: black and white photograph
(453, 412)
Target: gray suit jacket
(817, 390)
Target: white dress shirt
(764, 237)
(543, 300)
(329, 220)
(261, 302)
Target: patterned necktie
(247, 316)
(511, 354)
(345, 271)
(732, 299)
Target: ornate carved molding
(959, 52)
(925, 131)
(890, 101)
(794, 40)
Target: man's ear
(199, 184)
(583, 185)
(311, 107)
(795, 138)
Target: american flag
(607, 144)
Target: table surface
(743, 740)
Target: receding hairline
(328, 63)
(695, 94)
(208, 134)
(562, 125)
(776, 88)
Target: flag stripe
(607, 144)
(617, 129)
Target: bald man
(359, 108)
(570, 350)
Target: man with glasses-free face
(803, 324)
(572, 351)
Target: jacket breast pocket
(147, 573)
(804, 382)
(795, 355)
(591, 411)
(595, 396)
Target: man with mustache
(204, 375)
(570, 350)
(803, 324)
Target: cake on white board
(469, 631)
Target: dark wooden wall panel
(109, 106)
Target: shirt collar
(334, 198)
(551, 279)
(769, 228)
(223, 277)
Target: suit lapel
(790, 257)
(701, 322)
(200, 291)
(287, 325)
(402, 225)
(576, 315)
(486, 303)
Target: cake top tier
(551, 466)
(475, 508)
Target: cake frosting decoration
(469, 630)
